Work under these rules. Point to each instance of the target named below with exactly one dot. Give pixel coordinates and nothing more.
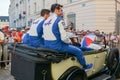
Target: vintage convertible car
(30, 63)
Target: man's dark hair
(55, 6)
(44, 11)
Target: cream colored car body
(97, 59)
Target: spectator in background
(13, 34)
(25, 36)
(1, 46)
(99, 37)
(5, 30)
(1, 37)
(20, 33)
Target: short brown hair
(55, 6)
(44, 11)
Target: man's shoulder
(36, 21)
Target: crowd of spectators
(111, 39)
(15, 35)
(8, 36)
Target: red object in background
(88, 41)
(13, 34)
(16, 37)
(5, 29)
(20, 34)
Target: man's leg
(75, 51)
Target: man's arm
(63, 33)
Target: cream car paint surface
(98, 60)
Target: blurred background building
(17, 13)
(103, 15)
(4, 21)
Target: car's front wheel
(77, 75)
(113, 60)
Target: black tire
(77, 75)
(113, 59)
(118, 72)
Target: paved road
(5, 75)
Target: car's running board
(102, 77)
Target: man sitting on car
(55, 36)
(35, 33)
